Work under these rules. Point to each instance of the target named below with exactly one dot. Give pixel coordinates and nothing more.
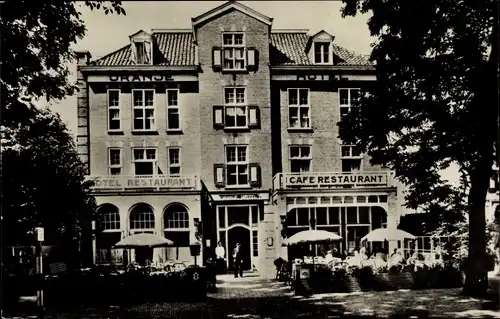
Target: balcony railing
(156, 182)
(331, 180)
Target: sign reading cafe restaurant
(336, 180)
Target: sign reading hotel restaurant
(141, 78)
(143, 182)
(336, 180)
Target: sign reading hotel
(143, 182)
(336, 180)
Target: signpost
(39, 233)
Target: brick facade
(250, 213)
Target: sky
(106, 33)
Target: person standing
(237, 261)
(220, 257)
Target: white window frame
(300, 158)
(112, 108)
(144, 108)
(109, 221)
(322, 46)
(112, 166)
(174, 165)
(145, 159)
(176, 218)
(237, 163)
(299, 107)
(235, 105)
(347, 106)
(234, 47)
(173, 108)
(150, 212)
(135, 42)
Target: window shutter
(134, 52)
(255, 178)
(218, 117)
(217, 58)
(219, 175)
(253, 116)
(252, 59)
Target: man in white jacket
(220, 255)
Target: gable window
(114, 118)
(144, 161)
(173, 118)
(235, 108)
(321, 52)
(237, 165)
(143, 110)
(233, 46)
(299, 108)
(300, 159)
(174, 161)
(351, 158)
(347, 99)
(115, 161)
(143, 52)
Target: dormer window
(143, 52)
(321, 52)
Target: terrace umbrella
(312, 236)
(144, 240)
(387, 234)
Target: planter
(394, 281)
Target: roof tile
(286, 48)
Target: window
(144, 161)
(176, 225)
(173, 118)
(233, 45)
(142, 217)
(236, 165)
(174, 161)
(348, 98)
(351, 158)
(300, 159)
(176, 216)
(115, 161)
(235, 108)
(109, 218)
(143, 52)
(255, 243)
(114, 118)
(321, 52)
(298, 108)
(144, 110)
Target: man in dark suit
(237, 261)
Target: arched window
(108, 217)
(142, 217)
(176, 216)
(176, 224)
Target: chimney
(83, 57)
(83, 134)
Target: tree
(42, 176)
(44, 184)
(36, 50)
(434, 104)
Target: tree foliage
(36, 48)
(42, 176)
(43, 182)
(434, 104)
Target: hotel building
(236, 109)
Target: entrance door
(239, 235)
